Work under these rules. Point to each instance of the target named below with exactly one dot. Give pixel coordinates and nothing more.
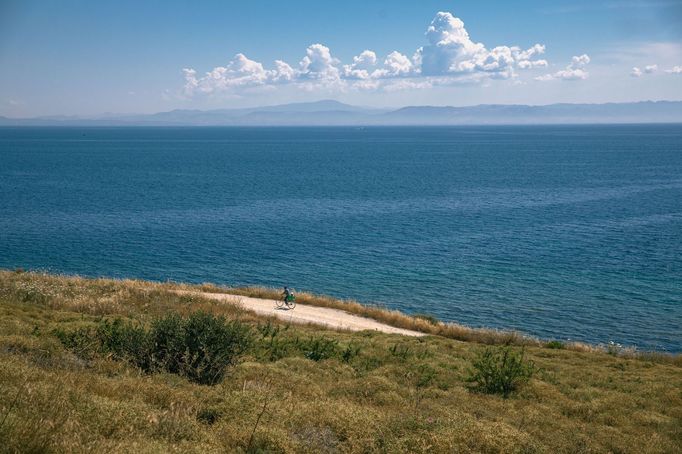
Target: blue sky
(84, 58)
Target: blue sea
(562, 232)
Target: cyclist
(287, 294)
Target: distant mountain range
(334, 113)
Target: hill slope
(67, 385)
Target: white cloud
(319, 64)
(362, 66)
(240, 72)
(283, 72)
(452, 52)
(395, 65)
(574, 71)
(648, 69)
(450, 56)
(674, 70)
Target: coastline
(420, 323)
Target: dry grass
(52, 400)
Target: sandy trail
(331, 318)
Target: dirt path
(332, 318)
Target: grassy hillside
(82, 368)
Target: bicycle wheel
(291, 304)
(279, 303)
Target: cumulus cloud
(452, 52)
(574, 71)
(674, 70)
(395, 65)
(638, 72)
(318, 64)
(450, 56)
(283, 72)
(362, 66)
(240, 72)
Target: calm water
(561, 232)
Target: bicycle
(289, 301)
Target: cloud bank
(450, 56)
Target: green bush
(81, 341)
(211, 345)
(272, 345)
(558, 345)
(199, 347)
(167, 339)
(125, 341)
(500, 370)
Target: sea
(571, 233)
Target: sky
(89, 58)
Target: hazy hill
(639, 112)
(334, 113)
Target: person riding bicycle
(287, 294)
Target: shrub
(167, 339)
(211, 345)
(558, 345)
(319, 348)
(125, 341)
(199, 347)
(500, 370)
(81, 341)
(350, 352)
(273, 346)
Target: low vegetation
(119, 366)
(500, 370)
(199, 347)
